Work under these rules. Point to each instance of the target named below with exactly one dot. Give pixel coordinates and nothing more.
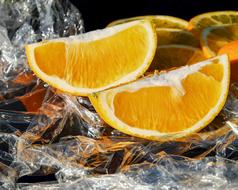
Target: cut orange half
(168, 105)
(160, 21)
(94, 61)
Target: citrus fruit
(169, 56)
(167, 105)
(96, 60)
(231, 49)
(215, 37)
(160, 21)
(222, 40)
(199, 22)
(168, 36)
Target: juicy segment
(169, 105)
(110, 60)
(82, 67)
(50, 53)
(171, 114)
(96, 60)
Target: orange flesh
(82, 67)
(51, 58)
(147, 108)
(214, 70)
(232, 50)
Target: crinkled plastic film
(46, 133)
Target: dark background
(98, 13)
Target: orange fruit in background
(213, 38)
(173, 55)
(175, 47)
(160, 21)
(199, 22)
(167, 36)
(168, 105)
(232, 50)
(217, 40)
(94, 61)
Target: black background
(98, 13)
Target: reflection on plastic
(47, 133)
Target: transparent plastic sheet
(45, 133)
(28, 21)
(84, 153)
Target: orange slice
(215, 37)
(167, 36)
(160, 21)
(217, 40)
(199, 22)
(96, 60)
(231, 49)
(167, 105)
(173, 55)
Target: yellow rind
(192, 24)
(183, 24)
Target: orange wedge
(94, 61)
(167, 105)
(160, 21)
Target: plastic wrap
(68, 140)
(50, 140)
